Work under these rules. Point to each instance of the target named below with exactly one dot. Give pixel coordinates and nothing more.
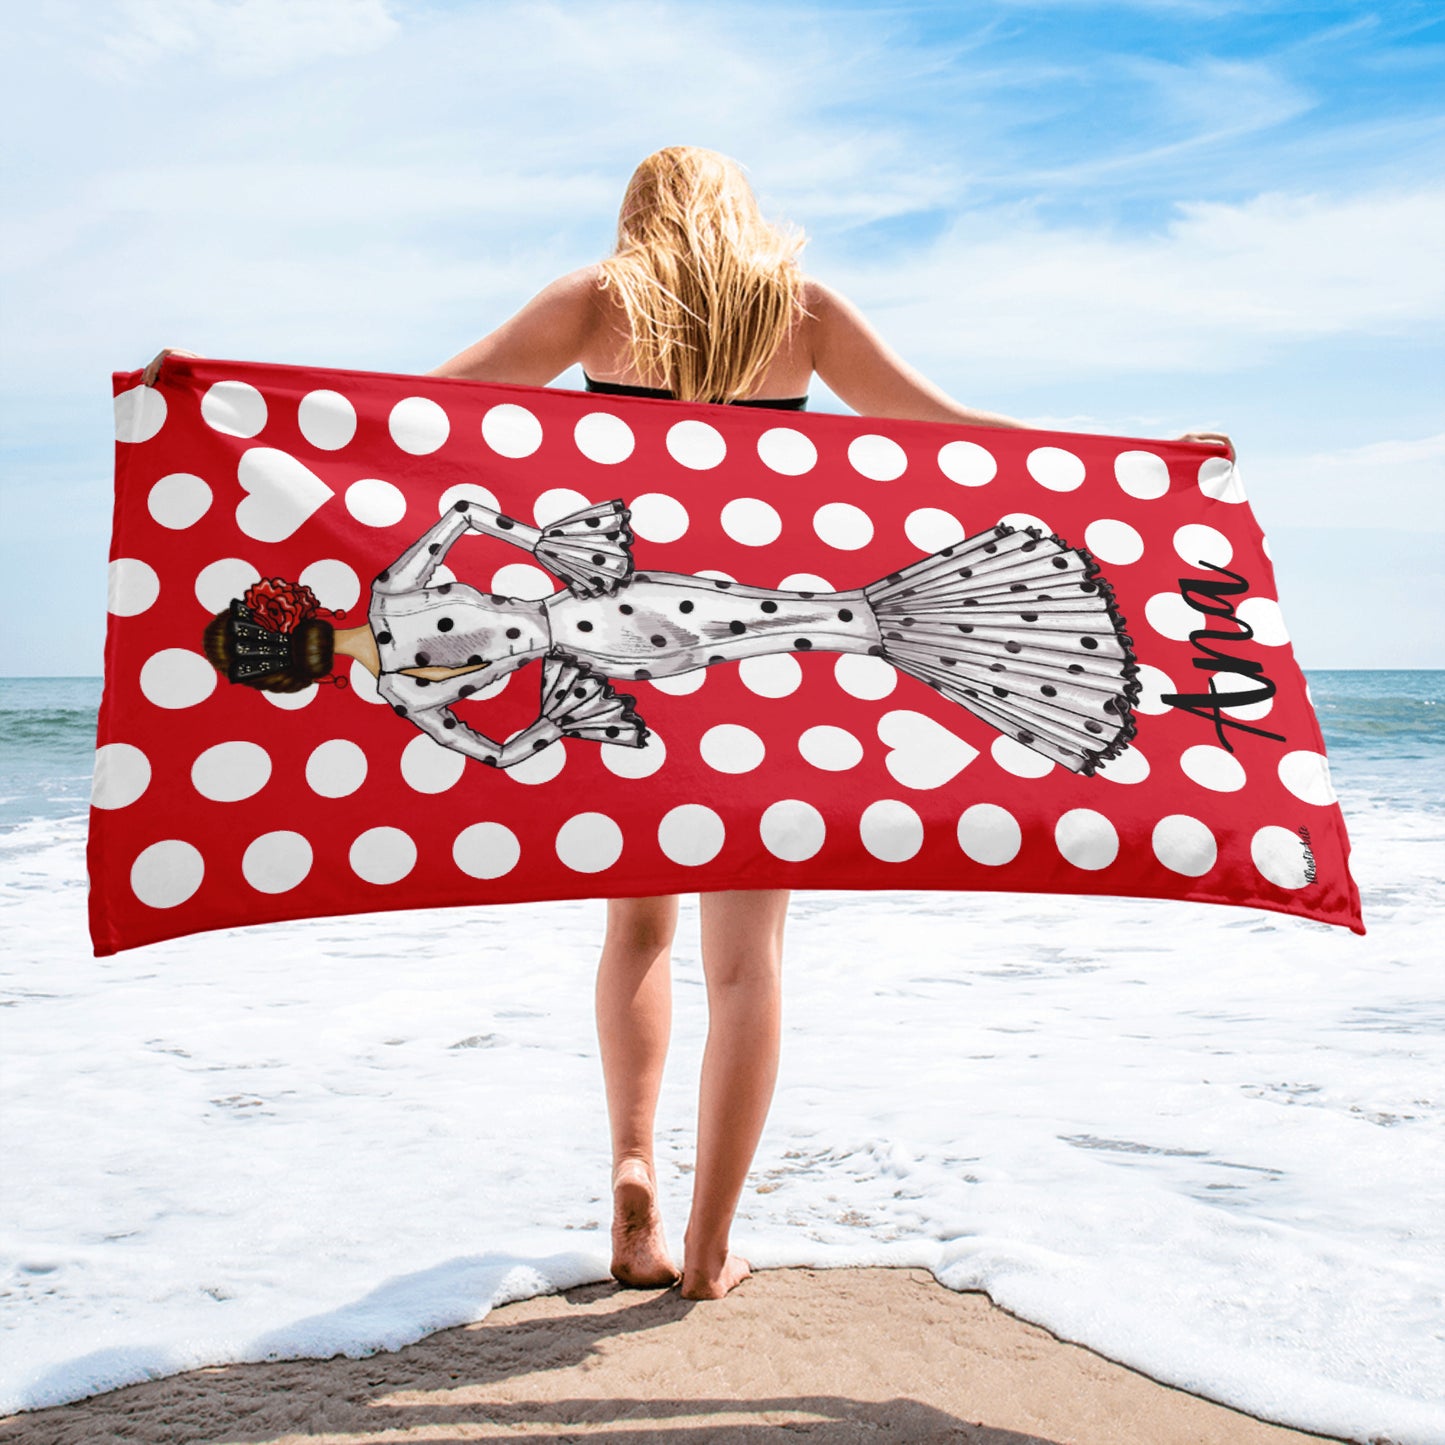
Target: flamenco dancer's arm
(589, 549)
(576, 703)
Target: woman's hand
(1215, 438)
(153, 370)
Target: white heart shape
(924, 753)
(282, 494)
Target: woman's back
(607, 354)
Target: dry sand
(833, 1355)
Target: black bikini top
(615, 388)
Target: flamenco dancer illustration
(1014, 626)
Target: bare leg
(634, 1022)
(742, 947)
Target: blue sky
(1132, 218)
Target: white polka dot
(603, 438)
(276, 862)
(751, 521)
(1171, 616)
(713, 572)
(989, 834)
(1213, 768)
(891, 831)
(291, 701)
(1020, 521)
(1263, 617)
(730, 748)
(1113, 542)
(792, 830)
(589, 842)
(556, 503)
(804, 582)
(695, 444)
(1229, 685)
(511, 430)
(376, 503)
(1152, 685)
(842, 525)
(122, 773)
(336, 769)
(363, 684)
(327, 420)
(167, 873)
(522, 581)
(382, 855)
(690, 834)
(542, 766)
(1184, 845)
(234, 408)
(486, 850)
(627, 762)
(1056, 469)
(931, 529)
(1265, 547)
(878, 458)
(1307, 775)
(429, 767)
(1086, 839)
(179, 501)
(1281, 856)
(680, 683)
(176, 678)
(418, 426)
(228, 772)
(776, 674)
(656, 517)
(223, 580)
(1142, 475)
(132, 586)
(1131, 766)
(1013, 757)
(1196, 544)
(967, 463)
(139, 414)
(465, 492)
(336, 586)
(787, 452)
(864, 676)
(1220, 479)
(833, 749)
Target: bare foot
(639, 1250)
(714, 1284)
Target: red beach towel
(548, 644)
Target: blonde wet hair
(709, 287)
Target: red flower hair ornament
(271, 609)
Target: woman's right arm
(865, 373)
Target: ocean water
(1206, 1142)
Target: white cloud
(1397, 485)
(237, 37)
(1220, 286)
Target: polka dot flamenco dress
(1016, 627)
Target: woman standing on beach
(702, 300)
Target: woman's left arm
(540, 342)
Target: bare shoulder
(830, 315)
(581, 288)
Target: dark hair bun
(312, 654)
